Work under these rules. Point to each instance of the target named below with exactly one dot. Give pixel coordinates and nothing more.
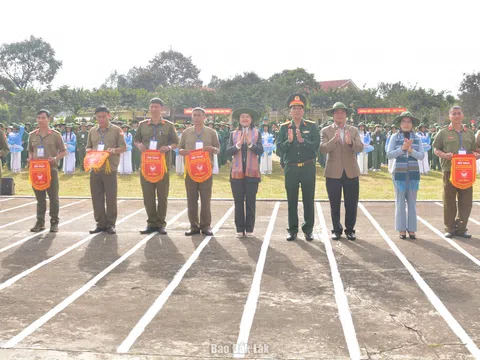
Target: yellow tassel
(108, 169)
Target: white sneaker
(239, 234)
(250, 235)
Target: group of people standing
(298, 143)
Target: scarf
(252, 168)
(406, 165)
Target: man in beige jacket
(341, 143)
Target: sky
(424, 43)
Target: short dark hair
(102, 108)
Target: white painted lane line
(450, 241)
(431, 296)
(34, 216)
(252, 300)
(6, 199)
(20, 276)
(340, 296)
(47, 230)
(163, 298)
(18, 207)
(469, 219)
(67, 301)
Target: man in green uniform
(199, 137)
(298, 141)
(156, 134)
(45, 143)
(135, 152)
(24, 156)
(378, 148)
(3, 151)
(103, 183)
(82, 137)
(457, 138)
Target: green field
(374, 186)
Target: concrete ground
(72, 295)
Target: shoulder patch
(310, 121)
(143, 121)
(286, 123)
(169, 122)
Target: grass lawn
(374, 186)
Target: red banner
(464, 171)
(216, 111)
(380, 110)
(39, 174)
(198, 165)
(95, 160)
(154, 166)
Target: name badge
(462, 152)
(378, 138)
(153, 145)
(198, 145)
(83, 136)
(40, 151)
(101, 147)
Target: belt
(300, 164)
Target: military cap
(339, 105)
(134, 122)
(28, 123)
(43, 111)
(421, 125)
(156, 101)
(296, 99)
(102, 108)
(198, 108)
(408, 114)
(69, 125)
(361, 124)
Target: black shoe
(97, 230)
(412, 236)
(336, 236)
(54, 227)
(403, 237)
(39, 226)
(291, 236)
(162, 231)
(111, 230)
(465, 234)
(448, 235)
(308, 236)
(351, 236)
(148, 230)
(207, 232)
(192, 232)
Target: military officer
(298, 141)
(456, 138)
(45, 143)
(103, 183)
(378, 147)
(135, 152)
(82, 137)
(158, 134)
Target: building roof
(337, 84)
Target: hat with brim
(362, 124)
(237, 112)
(422, 125)
(339, 105)
(405, 114)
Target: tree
(470, 94)
(168, 68)
(4, 113)
(28, 62)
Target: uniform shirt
(208, 136)
(52, 143)
(112, 138)
(448, 141)
(295, 152)
(164, 133)
(82, 137)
